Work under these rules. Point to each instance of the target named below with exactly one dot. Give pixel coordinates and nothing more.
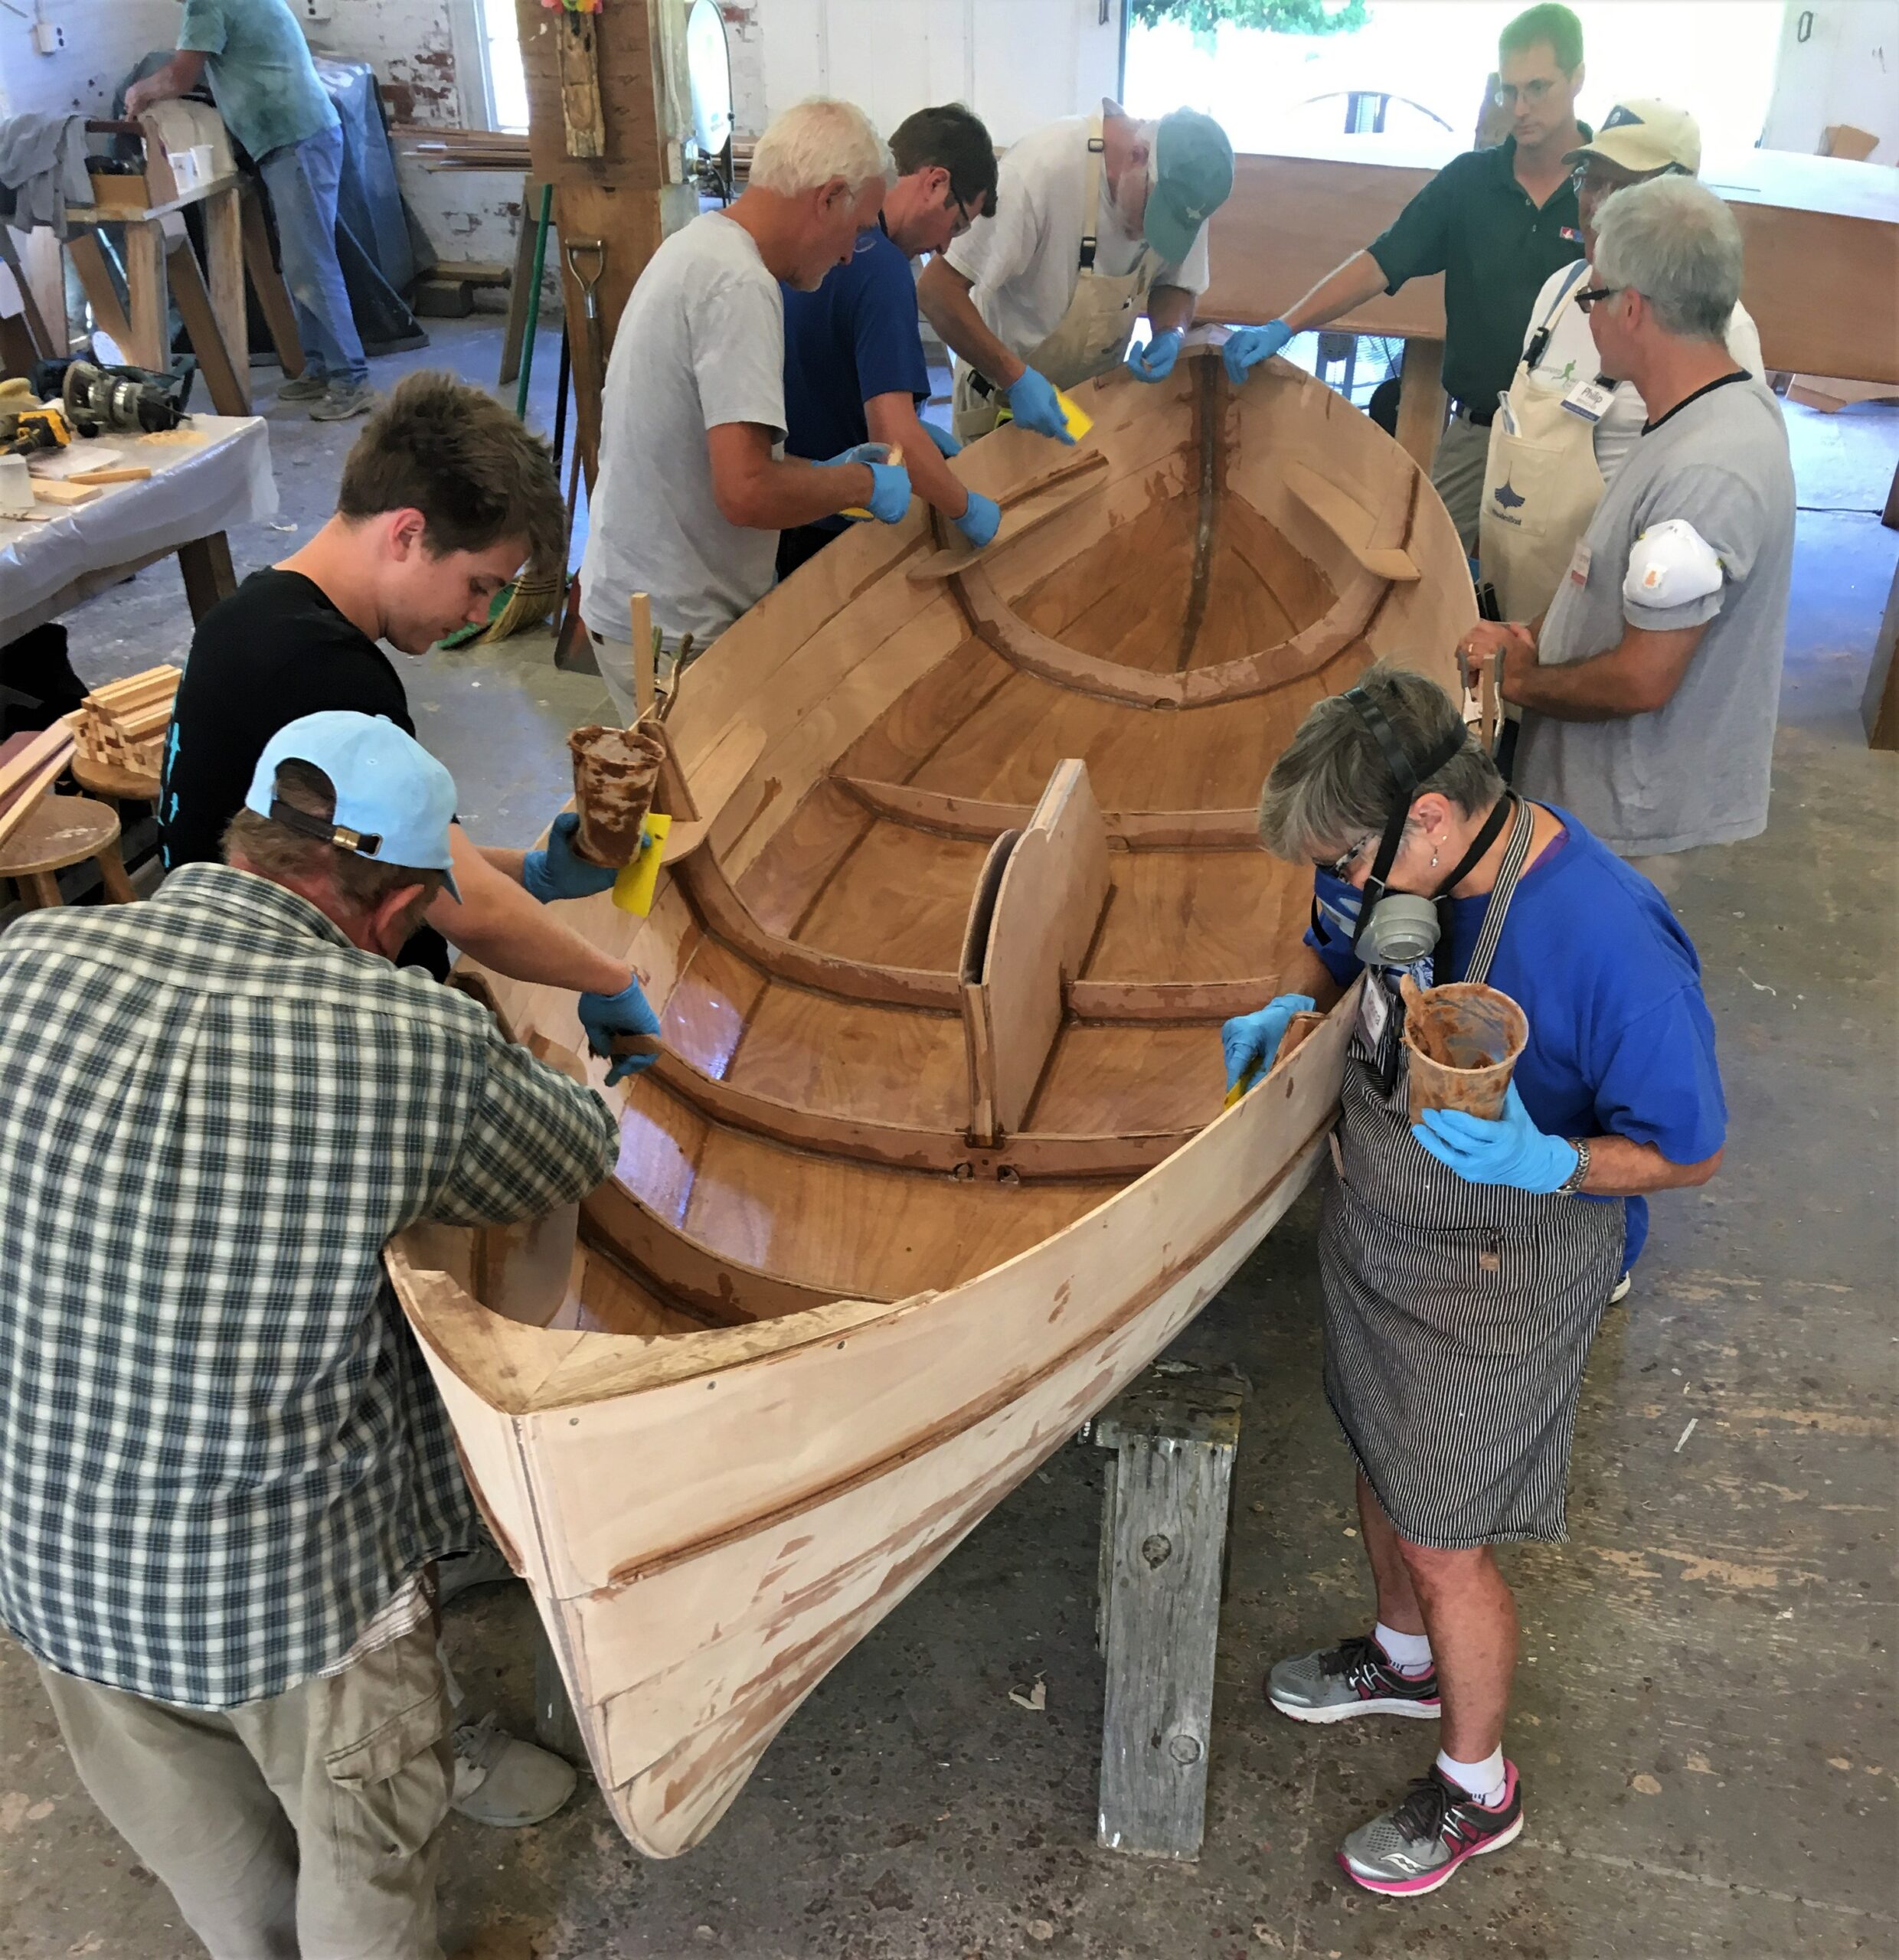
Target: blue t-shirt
(261, 73)
(854, 338)
(1621, 1041)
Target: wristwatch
(1579, 1176)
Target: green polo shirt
(1474, 223)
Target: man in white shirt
(694, 484)
(1098, 220)
(1555, 448)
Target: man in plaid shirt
(224, 1468)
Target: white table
(196, 491)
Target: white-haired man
(1650, 687)
(1566, 428)
(694, 486)
(1099, 219)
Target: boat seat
(1036, 910)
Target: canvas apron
(1458, 1316)
(1091, 336)
(1541, 485)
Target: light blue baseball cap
(394, 801)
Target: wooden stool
(64, 831)
(113, 784)
(1163, 1551)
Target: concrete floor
(1704, 1718)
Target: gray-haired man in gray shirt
(1650, 687)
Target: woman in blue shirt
(1466, 1263)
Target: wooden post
(204, 564)
(224, 275)
(1163, 1545)
(101, 295)
(149, 300)
(227, 384)
(267, 283)
(645, 678)
(1421, 400)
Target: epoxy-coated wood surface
(935, 1160)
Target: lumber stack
(30, 765)
(124, 724)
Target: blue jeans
(302, 180)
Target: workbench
(197, 490)
(1821, 235)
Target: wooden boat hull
(810, 1335)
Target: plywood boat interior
(935, 1159)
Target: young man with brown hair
(855, 370)
(444, 496)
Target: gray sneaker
(1415, 1847)
(1355, 1677)
(343, 399)
(501, 1780)
(305, 386)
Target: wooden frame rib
(970, 818)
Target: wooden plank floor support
(1163, 1555)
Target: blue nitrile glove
(605, 1015)
(1155, 362)
(1032, 402)
(558, 871)
(941, 436)
(890, 482)
(1246, 346)
(978, 523)
(1511, 1150)
(1249, 1041)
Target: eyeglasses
(1589, 177)
(1587, 298)
(1506, 94)
(963, 213)
(1340, 867)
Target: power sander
(126, 401)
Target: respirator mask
(1397, 929)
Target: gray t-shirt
(701, 342)
(1695, 772)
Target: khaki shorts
(1457, 475)
(306, 1824)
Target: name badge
(1374, 1010)
(1589, 400)
(1579, 565)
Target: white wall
(1018, 63)
(104, 40)
(1847, 70)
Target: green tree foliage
(1204, 16)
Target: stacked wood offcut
(124, 724)
(29, 765)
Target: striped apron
(1458, 1316)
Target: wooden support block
(1163, 1548)
(1421, 400)
(230, 395)
(63, 490)
(267, 283)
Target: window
(488, 73)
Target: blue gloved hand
(1510, 1151)
(1246, 346)
(1032, 402)
(606, 1015)
(1249, 1041)
(978, 523)
(558, 871)
(941, 436)
(1155, 362)
(890, 492)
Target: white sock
(1409, 1653)
(1485, 1780)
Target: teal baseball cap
(394, 801)
(1191, 177)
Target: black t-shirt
(275, 650)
